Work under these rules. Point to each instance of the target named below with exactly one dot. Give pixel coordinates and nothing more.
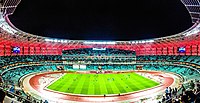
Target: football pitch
(100, 84)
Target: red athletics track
(168, 80)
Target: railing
(10, 94)
(19, 98)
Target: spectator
(2, 95)
(163, 99)
(46, 101)
(176, 100)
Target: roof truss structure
(193, 7)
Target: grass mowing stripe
(85, 85)
(100, 84)
(59, 83)
(113, 85)
(79, 84)
(128, 85)
(108, 87)
(133, 83)
(67, 83)
(74, 84)
(97, 90)
(103, 86)
(127, 80)
(91, 85)
(142, 82)
(122, 87)
(56, 83)
(147, 81)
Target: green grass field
(100, 84)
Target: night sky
(101, 19)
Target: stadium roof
(193, 6)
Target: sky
(102, 19)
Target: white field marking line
(55, 100)
(28, 89)
(102, 94)
(151, 78)
(53, 81)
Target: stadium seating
(7, 60)
(11, 73)
(93, 52)
(40, 54)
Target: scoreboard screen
(75, 66)
(82, 66)
(98, 48)
(79, 66)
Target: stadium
(38, 69)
